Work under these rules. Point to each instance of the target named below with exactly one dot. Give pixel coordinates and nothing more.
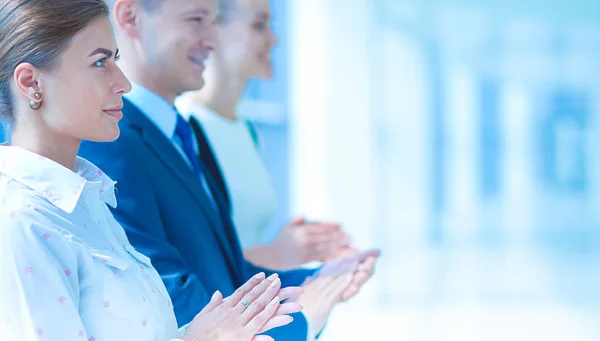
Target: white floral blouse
(67, 270)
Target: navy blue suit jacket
(168, 217)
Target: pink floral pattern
(54, 258)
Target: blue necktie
(184, 132)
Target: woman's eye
(101, 62)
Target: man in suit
(169, 204)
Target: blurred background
(461, 137)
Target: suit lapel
(207, 157)
(171, 158)
(229, 228)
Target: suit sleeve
(139, 214)
(288, 278)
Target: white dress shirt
(253, 198)
(68, 271)
(164, 117)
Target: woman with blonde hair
(229, 144)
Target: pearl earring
(36, 105)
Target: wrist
(317, 323)
(190, 337)
(317, 317)
(277, 255)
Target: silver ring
(245, 304)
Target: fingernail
(272, 277)
(216, 294)
(260, 275)
(275, 300)
(291, 318)
(275, 282)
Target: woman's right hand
(301, 242)
(230, 320)
(323, 293)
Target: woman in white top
(67, 269)
(242, 52)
